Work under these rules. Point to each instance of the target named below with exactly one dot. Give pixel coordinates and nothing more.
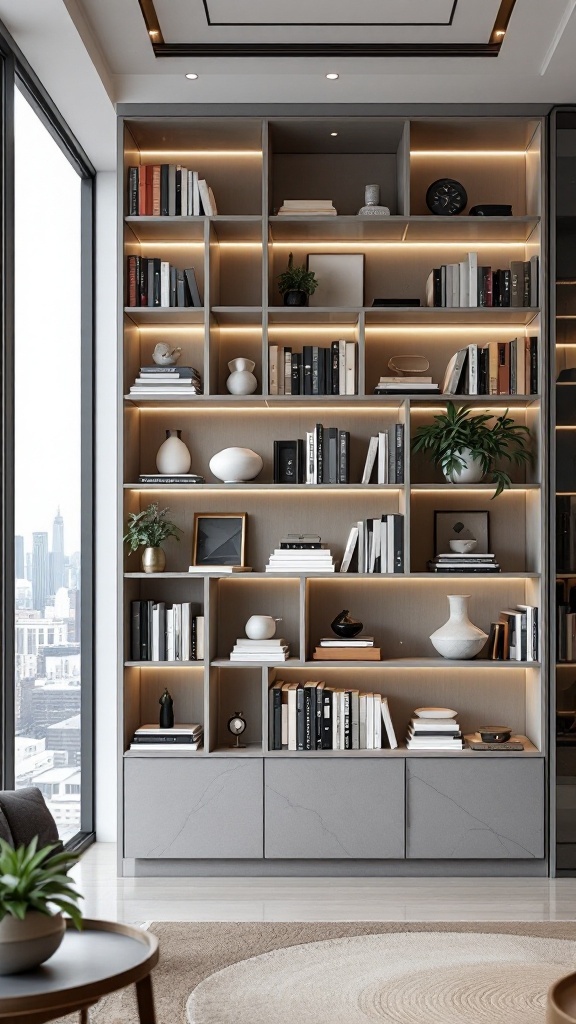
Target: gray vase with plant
(467, 449)
(295, 284)
(147, 530)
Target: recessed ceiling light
(332, 76)
(192, 76)
(333, 133)
(152, 32)
(501, 32)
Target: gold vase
(153, 560)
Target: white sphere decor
(261, 627)
(236, 465)
(459, 638)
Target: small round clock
(237, 725)
(446, 197)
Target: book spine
(295, 387)
(437, 287)
(142, 190)
(347, 720)
(344, 457)
(326, 720)
(132, 203)
(156, 190)
(135, 620)
(331, 463)
(503, 368)
(287, 371)
(307, 362)
(399, 464)
(319, 453)
(163, 190)
(534, 366)
(315, 371)
(273, 370)
(300, 719)
(335, 369)
(341, 367)
(350, 368)
(516, 282)
(194, 639)
(133, 276)
(308, 718)
(143, 284)
(526, 284)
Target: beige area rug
(451, 973)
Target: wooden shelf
(409, 663)
(465, 229)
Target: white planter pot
(236, 465)
(28, 943)
(173, 456)
(241, 380)
(472, 472)
(459, 638)
(261, 627)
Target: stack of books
(386, 454)
(160, 381)
(375, 545)
(301, 553)
(154, 282)
(515, 636)
(497, 368)
(179, 737)
(313, 716)
(434, 734)
(168, 190)
(273, 650)
(360, 648)
(176, 478)
(307, 208)
(406, 386)
(453, 562)
(316, 370)
(466, 284)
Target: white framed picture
(340, 278)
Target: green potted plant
(34, 890)
(296, 284)
(147, 530)
(466, 448)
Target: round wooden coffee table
(101, 958)
(561, 1005)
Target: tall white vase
(173, 456)
(459, 638)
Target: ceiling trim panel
(319, 24)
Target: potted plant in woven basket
(296, 284)
(34, 890)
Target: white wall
(106, 540)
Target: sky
(47, 335)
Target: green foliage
(457, 429)
(297, 279)
(32, 879)
(149, 528)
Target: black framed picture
(461, 525)
(289, 462)
(219, 538)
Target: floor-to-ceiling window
(48, 709)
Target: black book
(165, 738)
(398, 541)
(327, 371)
(315, 371)
(161, 630)
(437, 286)
(275, 717)
(181, 290)
(143, 631)
(335, 368)
(533, 366)
(307, 365)
(173, 299)
(327, 718)
(135, 619)
(132, 191)
(526, 288)
(193, 639)
(343, 456)
(154, 281)
(320, 453)
(190, 278)
(178, 191)
(483, 371)
(296, 359)
(309, 717)
(143, 286)
(504, 287)
(331, 460)
(399, 464)
(164, 174)
(347, 720)
(300, 719)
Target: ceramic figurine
(165, 355)
(241, 380)
(372, 206)
(166, 711)
(173, 457)
(346, 627)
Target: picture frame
(289, 462)
(340, 278)
(219, 538)
(461, 524)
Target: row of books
(171, 381)
(316, 370)
(385, 457)
(466, 284)
(307, 208)
(451, 562)
(375, 545)
(434, 734)
(566, 533)
(323, 457)
(497, 368)
(515, 636)
(179, 737)
(160, 633)
(360, 648)
(276, 649)
(313, 716)
(154, 282)
(168, 190)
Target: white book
(355, 719)
(292, 687)
(161, 748)
(532, 639)
(195, 195)
(455, 285)
(377, 722)
(383, 457)
(281, 368)
(310, 457)
(370, 460)
(349, 549)
(472, 278)
(205, 198)
(472, 369)
(185, 631)
(273, 369)
(350, 368)
(284, 726)
(200, 638)
(287, 371)
(182, 727)
(155, 632)
(341, 720)
(183, 191)
(369, 721)
(389, 544)
(449, 273)
(374, 544)
(170, 634)
(164, 283)
(336, 720)
(342, 367)
(177, 613)
(363, 700)
(361, 546)
(387, 721)
(464, 284)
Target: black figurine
(166, 711)
(346, 627)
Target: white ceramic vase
(236, 465)
(173, 456)
(261, 627)
(472, 472)
(459, 638)
(28, 943)
(241, 380)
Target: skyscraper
(40, 571)
(19, 557)
(57, 552)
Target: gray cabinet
(475, 808)
(191, 808)
(334, 808)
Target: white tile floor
(317, 899)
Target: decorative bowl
(463, 547)
(435, 713)
(346, 627)
(495, 733)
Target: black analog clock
(446, 197)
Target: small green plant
(297, 279)
(32, 879)
(149, 528)
(456, 430)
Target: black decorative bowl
(346, 627)
(495, 733)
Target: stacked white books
(419, 385)
(434, 734)
(276, 649)
(179, 737)
(307, 208)
(301, 561)
(451, 561)
(171, 381)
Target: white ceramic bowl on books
(463, 547)
(435, 713)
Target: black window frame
(16, 73)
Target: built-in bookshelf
(252, 165)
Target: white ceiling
(92, 54)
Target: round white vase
(173, 456)
(236, 465)
(28, 943)
(241, 380)
(261, 627)
(459, 638)
(472, 473)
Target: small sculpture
(165, 355)
(236, 726)
(166, 711)
(241, 380)
(346, 627)
(372, 206)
